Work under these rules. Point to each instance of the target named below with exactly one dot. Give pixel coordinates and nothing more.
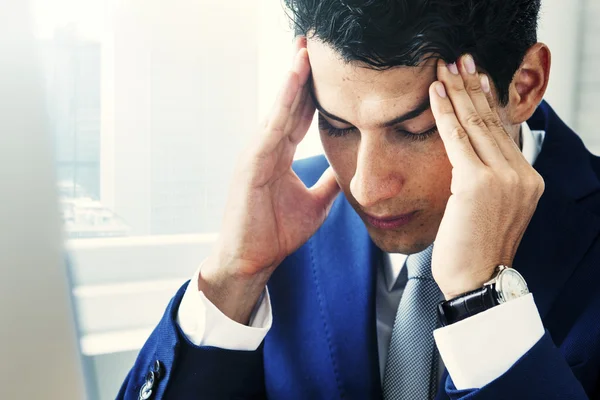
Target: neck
(514, 132)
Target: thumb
(326, 189)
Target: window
(150, 103)
(588, 81)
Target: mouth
(390, 222)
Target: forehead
(363, 95)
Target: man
(431, 117)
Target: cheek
(438, 175)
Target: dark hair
(387, 33)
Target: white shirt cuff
(205, 325)
(479, 349)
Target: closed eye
(418, 137)
(331, 130)
(341, 132)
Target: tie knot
(418, 265)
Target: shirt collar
(392, 265)
(529, 144)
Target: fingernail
(440, 89)
(469, 64)
(453, 68)
(485, 83)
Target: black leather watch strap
(466, 305)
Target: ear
(529, 84)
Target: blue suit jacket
(323, 342)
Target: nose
(377, 176)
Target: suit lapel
(344, 266)
(558, 237)
(561, 231)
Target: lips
(390, 222)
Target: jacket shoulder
(595, 163)
(592, 201)
(309, 170)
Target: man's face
(385, 169)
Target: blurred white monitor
(38, 340)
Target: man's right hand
(270, 212)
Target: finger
(282, 108)
(275, 128)
(511, 150)
(302, 112)
(481, 138)
(302, 68)
(474, 88)
(296, 109)
(297, 124)
(305, 119)
(456, 140)
(326, 189)
(479, 90)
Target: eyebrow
(414, 113)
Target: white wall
(275, 53)
(588, 79)
(560, 30)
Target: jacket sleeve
(542, 373)
(171, 367)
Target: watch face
(511, 285)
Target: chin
(400, 242)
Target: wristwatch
(506, 285)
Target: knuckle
(458, 133)
(511, 178)
(475, 88)
(447, 111)
(541, 187)
(458, 86)
(485, 178)
(490, 119)
(275, 128)
(474, 119)
(494, 122)
(537, 184)
(455, 85)
(541, 181)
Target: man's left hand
(495, 190)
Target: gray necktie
(412, 361)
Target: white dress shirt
(461, 345)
